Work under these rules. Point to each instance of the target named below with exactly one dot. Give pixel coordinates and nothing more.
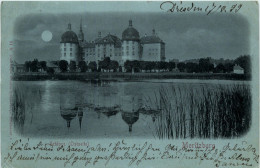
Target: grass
(204, 112)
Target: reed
(23, 103)
(204, 112)
(18, 109)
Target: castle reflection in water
(74, 104)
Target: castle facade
(130, 47)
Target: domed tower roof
(69, 36)
(130, 33)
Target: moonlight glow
(46, 36)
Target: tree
(157, 65)
(43, 65)
(136, 65)
(171, 66)
(113, 65)
(93, 66)
(120, 69)
(220, 68)
(27, 66)
(143, 65)
(181, 66)
(82, 66)
(229, 67)
(63, 65)
(50, 71)
(105, 64)
(128, 66)
(244, 62)
(35, 65)
(192, 67)
(205, 65)
(73, 66)
(151, 65)
(164, 65)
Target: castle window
(70, 49)
(64, 54)
(126, 42)
(127, 47)
(71, 54)
(64, 49)
(70, 45)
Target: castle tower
(130, 43)
(81, 34)
(69, 46)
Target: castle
(74, 47)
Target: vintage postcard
(121, 84)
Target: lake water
(97, 109)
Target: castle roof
(151, 39)
(69, 36)
(237, 67)
(130, 33)
(110, 39)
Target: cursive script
(170, 6)
(240, 154)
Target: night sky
(186, 36)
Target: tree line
(204, 65)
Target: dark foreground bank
(127, 76)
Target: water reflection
(68, 115)
(130, 118)
(75, 103)
(154, 113)
(95, 105)
(80, 116)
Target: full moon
(46, 36)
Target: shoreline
(127, 76)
